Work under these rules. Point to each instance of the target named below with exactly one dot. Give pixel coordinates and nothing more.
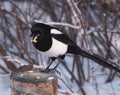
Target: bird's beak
(34, 40)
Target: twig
(13, 59)
(60, 24)
(4, 75)
(66, 84)
(64, 92)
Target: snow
(112, 88)
(5, 85)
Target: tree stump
(27, 81)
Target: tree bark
(26, 81)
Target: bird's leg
(60, 58)
(55, 66)
(53, 59)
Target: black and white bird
(55, 44)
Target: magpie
(55, 44)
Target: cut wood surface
(28, 81)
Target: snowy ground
(104, 88)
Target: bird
(52, 42)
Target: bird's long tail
(100, 61)
(97, 59)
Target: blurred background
(94, 25)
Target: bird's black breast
(44, 44)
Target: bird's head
(39, 31)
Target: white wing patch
(55, 31)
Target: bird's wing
(60, 36)
(63, 38)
